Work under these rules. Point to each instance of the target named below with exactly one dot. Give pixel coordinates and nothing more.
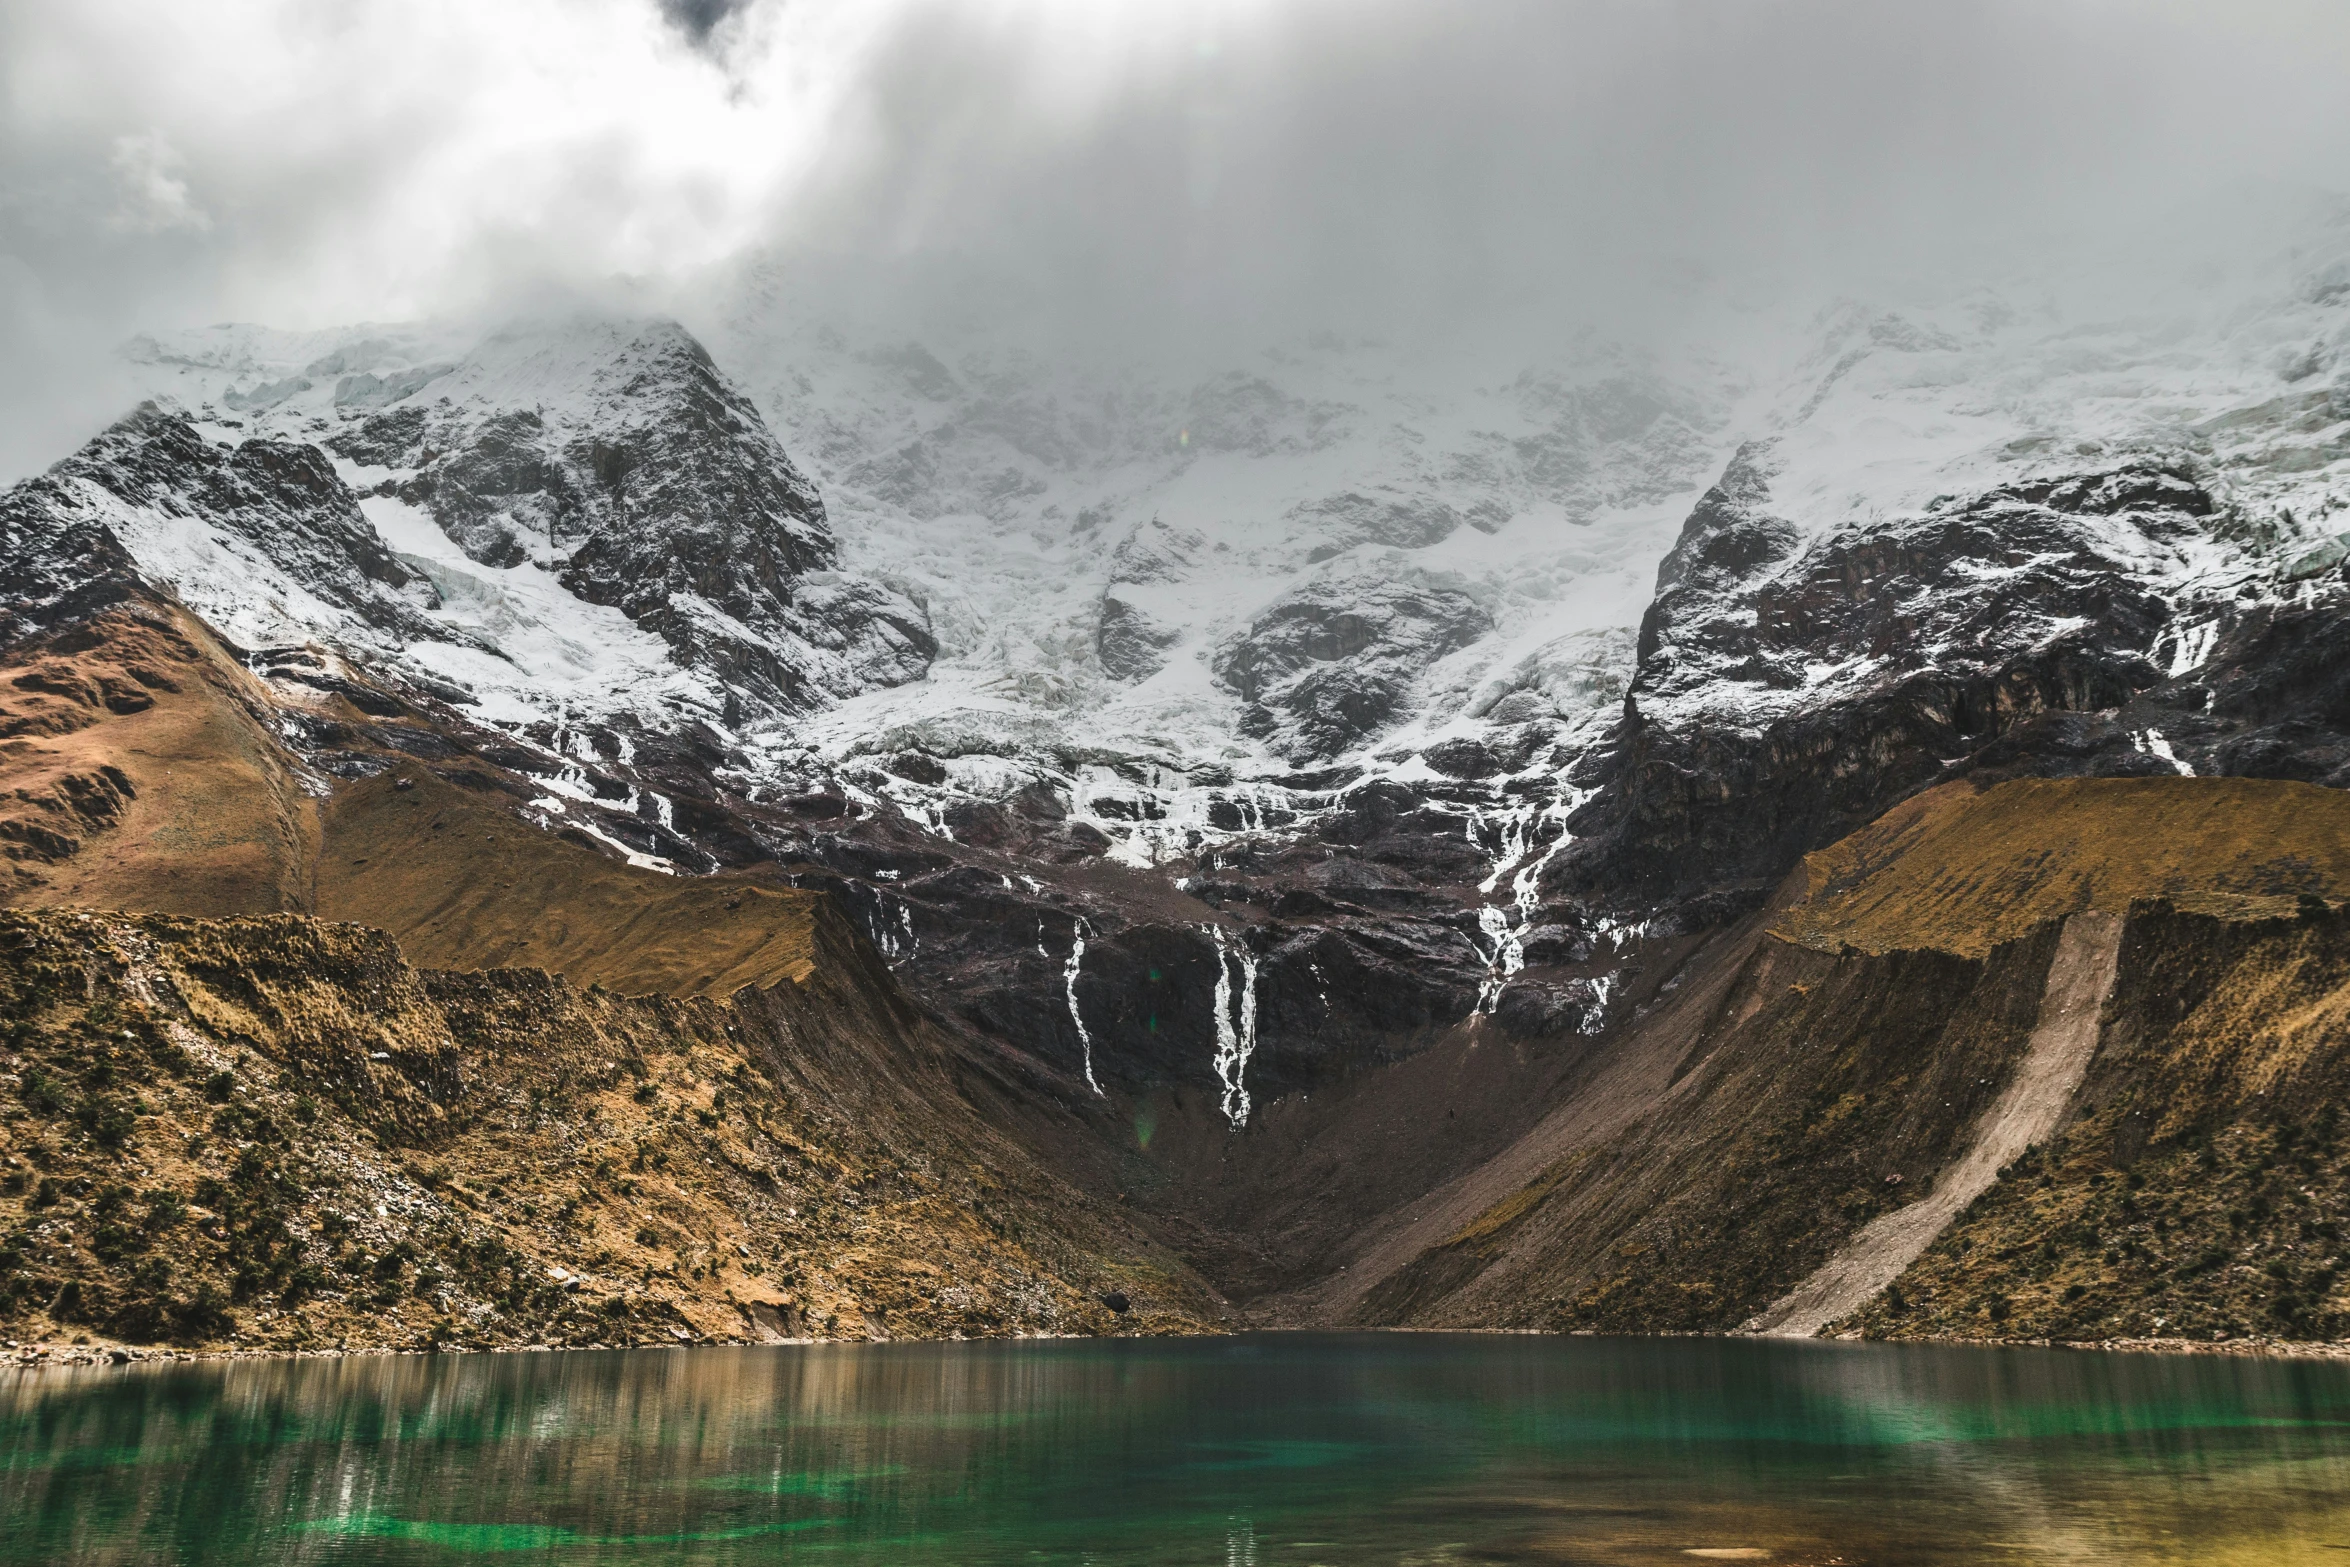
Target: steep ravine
(2033, 1104)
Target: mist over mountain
(1181, 186)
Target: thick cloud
(1141, 174)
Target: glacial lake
(1258, 1450)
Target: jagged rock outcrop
(1788, 691)
(1330, 664)
(620, 458)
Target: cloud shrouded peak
(1155, 175)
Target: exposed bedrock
(1331, 664)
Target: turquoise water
(1260, 1450)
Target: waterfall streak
(1236, 1022)
(1522, 828)
(1069, 980)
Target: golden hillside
(463, 883)
(138, 771)
(1962, 870)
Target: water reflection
(1262, 1450)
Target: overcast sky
(1218, 171)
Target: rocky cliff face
(168, 497)
(623, 461)
(1788, 692)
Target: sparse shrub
(304, 1282)
(205, 1315)
(107, 1119)
(165, 1209)
(42, 1093)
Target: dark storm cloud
(1138, 177)
(1507, 166)
(698, 19)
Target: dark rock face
(1328, 665)
(1786, 695)
(1130, 644)
(2273, 694)
(57, 563)
(499, 493)
(1398, 520)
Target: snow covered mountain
(1220, 733)
(593, 508)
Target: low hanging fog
(1141, 182)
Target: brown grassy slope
(1810, 1095)
(1962, 870)
(917, 1216)
(137, 771)
(274, 1132)
(462, 882)
(2202, 1189)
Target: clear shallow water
(1258, 1451)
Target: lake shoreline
(40, 1356)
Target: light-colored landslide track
(2064, 1037)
